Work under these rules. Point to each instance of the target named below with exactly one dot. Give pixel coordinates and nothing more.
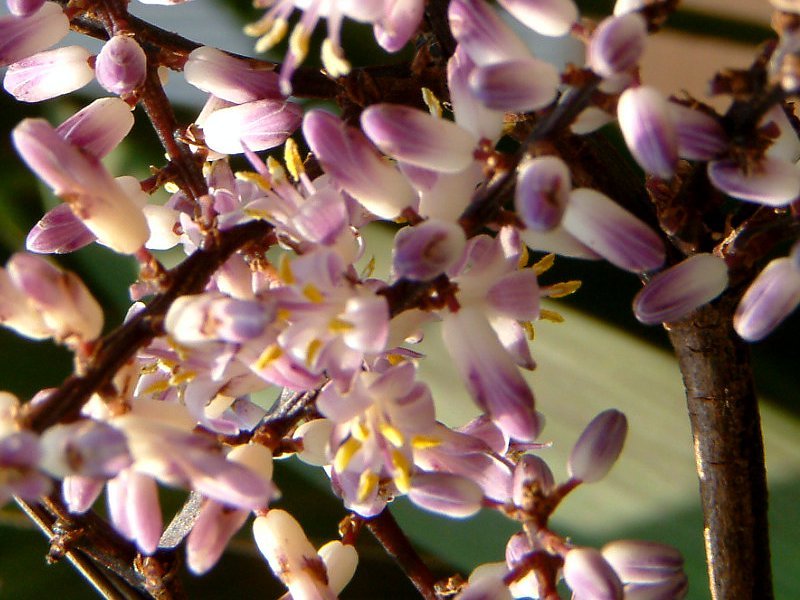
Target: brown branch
(393, 539)
(729, 451)
(113, 351)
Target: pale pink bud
(770, 181)
(598, 448)
(548, 17)
(259, 125)
(216, 524)
(520, 85)
(21, 36)
(88, 448)
(134, 509)
(202, 318)
(66, 305)
(230, 78)
(291, 556)
(772, 297)
(426, 250)
(99, 127)
(340, 561)
(83, 182)
(17, 314)
(23, 8)
(399, 21)
(617, 44)
(121, 65)
(80, 492)
(531, 475)
(590, 576)
(314, 435)
(675, 292)
(418, 138)
(48, 74)
(700, 136)
(649, 132)
(450, 495)
(637, 561)
(542, 192)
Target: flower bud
(48, 74)
(216, 524)
(230, 78)
(772, 297)
(649, 132)
(617, 44)
(426, 250)
(450, 495)
(532, 476)
(520, 85)
(542, 192)
(80, 492)
(259, 125)
(637, 561)
(67, 307)
(599, 446)
(88, 448)
(202, 318)
(590, 576)
(340, 561)
(99, 127)
(17, 314)
(678, 290)
(24, 35)
(121, 66)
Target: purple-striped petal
(770, 181)
(542, 192)
(590, 576)
(121, 65)
(21, 37)
(639, 561)
(772, 297)
(598, 447)
(649, 132)
(418, 138)
(520, 85)
(549, 17)
(399, 21)
(260, 125)
(482, 34)
(447, 494)
(59, 231)
(230, 78)
(617, 44)
(700, 136)
(99, 127)
(427, 250)
(612, 232)
(675, 292)
(48, 74)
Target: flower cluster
(297, 310)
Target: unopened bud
(599, 446)
(426, 250)
(649, 132)
(48, 74)
(121, 65)
(450, 495)
(617, 44)
(590, 576)
(532, 476)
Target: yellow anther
(395, 359)
(523, 258)
(339, 325)
(182, 377)
(285, 270)
(360, 431)
(312, 292)
(271, 33)
(544, 264)
(291, 156)
(298, 42)
(345, 454)
(270, 354)
(254, 178)
(550, 315)
(283, 314)
(147, 369)
(421, 442)
(156, 386)
(394, 436)
(258, 214)
(369, 269)
(432, 102)
(312, 351)
(172, 187)
(402, 474)
(530, 330)
(333, 59)
(366, 485)
(565, 288)
(276, 171)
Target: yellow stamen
(179, 378)
(402, 477)
(366, 485)
(345, 454)
(339, 325)
(271, 33)
(298, 42)
(530, 331)
(523, 258)
(283, 314)
(393, 435)
(432, 102)
(270, 354)
(312, 351)
(360, 431)
(395, 359)
(550, 315)
(421, 442)
(254, 178)
(285, 270)
(333, 59)
(369, 269)
(276, 171)
(544, 264)
(258, 214)
(156, 386)
(564, 288)
(291, 156)
(312, 292)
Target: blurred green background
(599, 358)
